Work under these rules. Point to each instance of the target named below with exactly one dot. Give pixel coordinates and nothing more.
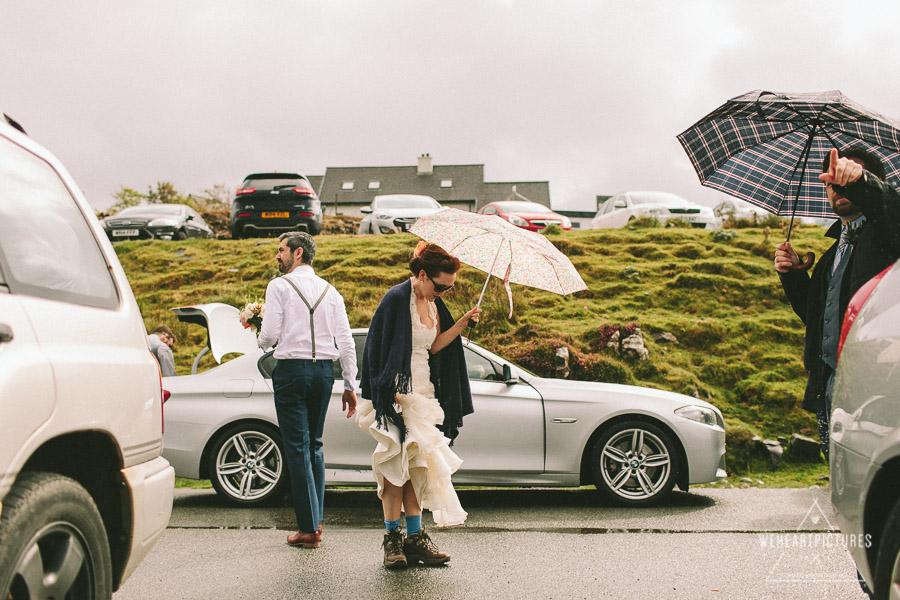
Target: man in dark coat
(868, 233)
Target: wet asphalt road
(517, 544)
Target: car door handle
(6, 334)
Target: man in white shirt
(307, 323)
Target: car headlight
(566, 223)
(701, 414)
(162, 222)
(518, 221)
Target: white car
(633, 443)
(733, 208)
(619, 210)
(393, 213)
(865, 433)
(84, 491)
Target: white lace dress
(425, 457)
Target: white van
(84, 492)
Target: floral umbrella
(492, 245)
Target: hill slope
(739, 345)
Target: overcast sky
(588, 95)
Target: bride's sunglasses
(440, 288)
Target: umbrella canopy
(498, 248)
(767, 147)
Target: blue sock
(392, 525)
(413, 524)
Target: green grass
(739, 344)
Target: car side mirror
(508, 376)
(365, 209)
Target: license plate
(276, 215)
(124, 232)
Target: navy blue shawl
(387, 357)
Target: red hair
(432, 259)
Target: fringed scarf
(388, 355)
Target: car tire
(247, 466)
(887, 567)
(52, 541)
(181, 234)
(634, 463)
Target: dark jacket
(388, 354)
(876, 248)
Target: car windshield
(151, 209)
(406, 202)
(527, 207)
(272, 183)
(657, 198)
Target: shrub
(597, 339)
(553, 229)
(598, 367)
(539, 356)
(723, 236)
(640, 222)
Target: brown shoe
(393, 550)
(419, 548)
(301, 539)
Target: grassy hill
(739, 345)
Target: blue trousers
(302, 391)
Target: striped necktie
(843, 244)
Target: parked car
(84, 492)
(865, 432)
(393, 213)
(273, 203)
(633, 443)
(527, 215)
(733, 208)
(156, 221)
(663, 206)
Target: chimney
(425, 167)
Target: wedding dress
(424, 457)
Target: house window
(374, 185)
(446, 183)
(347, 185)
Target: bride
(416, 391)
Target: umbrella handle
(805, 266)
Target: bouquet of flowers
(252, 315)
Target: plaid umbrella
(492, 245)
(767, 147)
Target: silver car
(621, 209)
(634, 444)
(393, 213)
(865, 433)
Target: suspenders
(312, 309)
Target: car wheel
(246, 465)
(181, 234)
(52, 541)
(887, 569)
(634, 463)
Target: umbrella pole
(499, 246)
(810, 257)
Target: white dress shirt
(287, 322)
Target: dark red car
(527, 215)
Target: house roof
(316, 181)
(446, 183)
(535, 191)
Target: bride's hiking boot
(418, 547)
(393, 550)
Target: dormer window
(446, 183)
(347, 185)
(374, 185)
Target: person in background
(161, 341)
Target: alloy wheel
(635, 464)
(249, 466)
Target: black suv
(272, 203)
